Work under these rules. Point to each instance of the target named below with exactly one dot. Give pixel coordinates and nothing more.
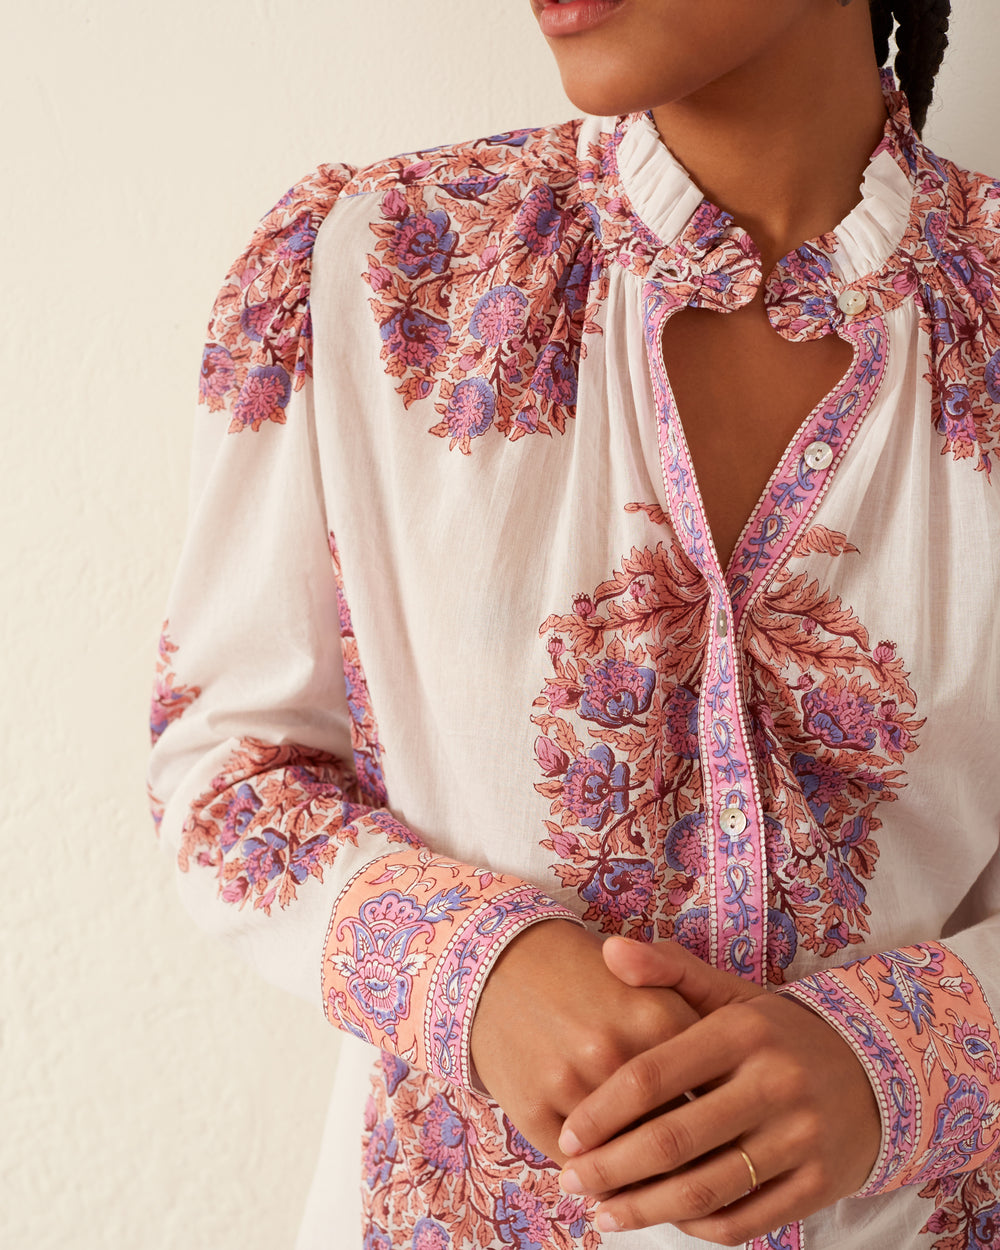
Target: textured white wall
(152, 1093)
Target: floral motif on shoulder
(171, 698)
(484, 277)
(446, 1170)
(364, 728)
(618, 747)
(833, 718)
(274, 817)
(959, 290)
(259, 348)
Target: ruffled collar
(657, 223)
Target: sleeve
(265, 778)
(920, 1021)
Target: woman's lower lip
(579, 15)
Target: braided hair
(921, 38)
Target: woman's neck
(782, 142)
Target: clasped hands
(590, 1049)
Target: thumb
(668, 964)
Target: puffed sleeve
(265, 779)
(921, 1019)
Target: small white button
(852, 302)
(733, 820)
(818, 455)
(721, 622)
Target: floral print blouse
(450, 651)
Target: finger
(702, 1054)
(667, 1142)
(694, 1194)
(776, 1203)
(784, 1200)
(669, 965)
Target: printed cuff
(411, 941)
(919, 1022)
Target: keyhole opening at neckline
(741, 393)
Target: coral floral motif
(364, 729)
(446, 1170)
(833, 720)
(259, 348)
(276, 816)
(481, 280)
(171, 698)
(618, 747)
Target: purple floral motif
(839, 717)
(615, 693)
(265, 857)
(691, 931)
(415, 338)
(379, 972)
(240, 810)
(380, 1153)
(538, 220)
(521, 1218)
(684, 848)
(782, 939)
(521, 1148)
(959, 1127)
(956, 420)
(218, 376)
(555, 374)
(424, 243)
(821, 783)
(445, 1138)
(376, 1239)
(498, 315)
(595, 787)
(471, 408)
(681, 723)
(429, 1235)
(619, 890)
(263, 397)
(255, 318)
(394, 1071)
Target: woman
(529, 600)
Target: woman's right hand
(553, 1023)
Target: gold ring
(750, 1168)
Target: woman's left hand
(780, 1085)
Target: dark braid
(921, 38)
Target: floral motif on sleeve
(410, 943)
(968, 1214)
(618, 748)
(833, 718)
(919, 1022)
(364, 729)
(259, 348)
(481, 276)
(276, 816)
(446, 1170)
(171, 698)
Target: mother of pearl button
(851, 302)
(818, 455)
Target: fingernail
(569, 1143)
(569, 1182)
(608, 1223)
